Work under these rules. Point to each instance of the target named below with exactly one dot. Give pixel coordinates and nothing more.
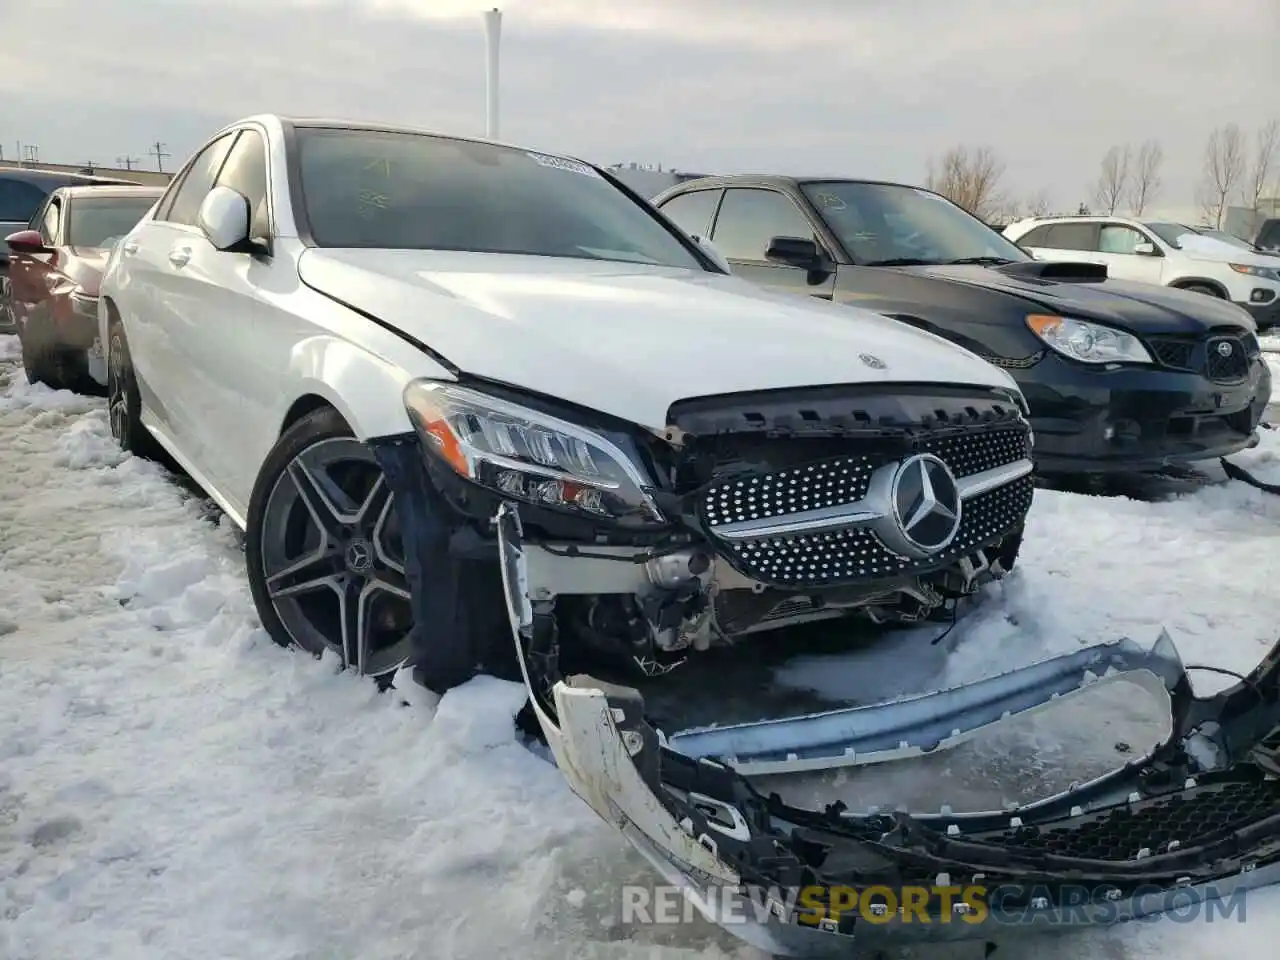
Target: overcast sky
(853, 87)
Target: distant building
(649, 181)
(144, 177)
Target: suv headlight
(1086, 341)
(531, 456)
(1266, 273)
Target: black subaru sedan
(1119, 376)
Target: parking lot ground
(172, 784)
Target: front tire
(323, 550)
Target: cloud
(858, 87)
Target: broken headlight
(531, 456)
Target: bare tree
(1224, 166)
(1038, 204)
(969, 178)
(1266, 145)
(1113, 179)
(1145, 182)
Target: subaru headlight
(1266, 273)
(1086, 341)
(530, 455)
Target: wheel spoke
(378, 535)
(318, 571)
(330, 520)
(392, 582)
(354, 596)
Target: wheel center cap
(359, 556)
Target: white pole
(492, 34)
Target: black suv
(1119, 376)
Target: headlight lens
(1266, 273)
(84, 304)
(1088, 342)
(530, 455)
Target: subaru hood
(628, 339)
(1138, 307)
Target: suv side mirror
(27, 241)
(796, 252)
(1145, 248)
(224, 218)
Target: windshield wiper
(983, 261)
(903, 262)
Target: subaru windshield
(883, 224)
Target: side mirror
(27, 241)
(1144, 248)
(710, 250)
(224, 218)
(796, 252)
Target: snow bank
(173, 784)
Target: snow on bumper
(1195, 820)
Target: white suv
(1161, 252)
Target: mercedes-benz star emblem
(874, 362)
(926, 502)
(359, 556)
(1224, 348)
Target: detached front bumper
(1135, 419)
(1165, 831)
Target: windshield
(1229, 238)
(100, 221)
(886, 224)
(1171, 233)
(365, 188)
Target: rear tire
(124, 403)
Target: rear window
(100, 221)
(19, 199)
(390, 190)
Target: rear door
(1076, 242)
(19, 201)
(747, 220)
(158, 299)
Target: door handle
(180, 256)
(129, 247)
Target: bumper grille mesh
(974, 453)
(810, 487)
(841, 557)
(1225, 368)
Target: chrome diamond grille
(841, 557)
(970, 453)
(829, 483)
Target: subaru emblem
(1224, 349)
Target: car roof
(57, 178)
(111, 190)
(780, 181)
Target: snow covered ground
(173, 785)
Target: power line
(127, 162)
(157, 150)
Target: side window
(750, 218)
(1269, 236)
(49, 222)
(187, 195)
(246, 172)
(1036, 238)
(1073, 236)
(18, 200)
(692, 211)
(1118, 238)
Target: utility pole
(127, 162)
(32, 152)
(157, 150)
(492, 37)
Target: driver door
(1129, 253)
(748, 219)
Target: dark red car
(54, 270)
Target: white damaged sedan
(398, 359)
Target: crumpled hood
(629, 340)
(1142, 308)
